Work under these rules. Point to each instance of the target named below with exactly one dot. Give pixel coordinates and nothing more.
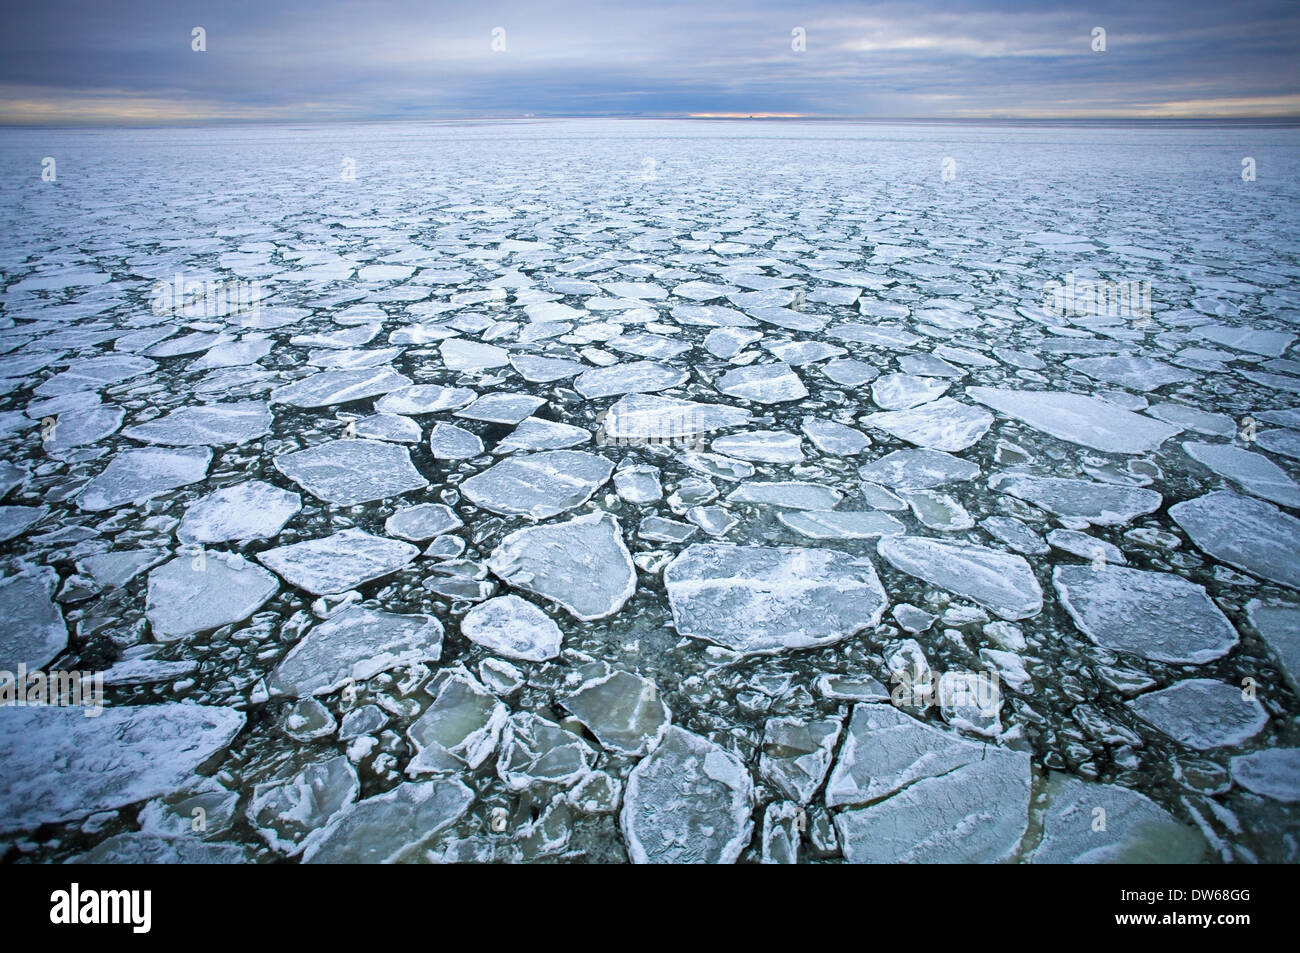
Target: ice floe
(196, 594)
(1153, 615)
(916, 794)
(389, 828)
(347, 472)
(1100, 504)
(1088, 823)
(137, 475)
(1202, 713)
(1001, 582)
(943, 424)
(688, 802)
(252, 510)
(34, 633)
(582, 565)
(624, 711)
(1253, 472)
(1078, 418)
(512, 627)
(918, 469)
(760, 599)
(122, 756)
(1245, 533)
(539, 485)
(763, 383)
(337, 563)
(354, 645)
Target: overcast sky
(106, 61)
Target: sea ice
(1133, 829)
(834, 438)
(422, 522)
(510, 626)
(1001, 582)
(1243, 532)
(1274, 773)
(1080, 419)
(797, 753)
(688, 802)
(337, 563)
(449, 442)
(764, 446)
(793, 494)
(1101, 504)
(763, 383)
(197, 594)
(922, 795)
(650, 417)
(1153, 615)
(918, 470)
(424, 399)
(341, 387)
(16, 520)
(761, 599)
(904, 391)
(1254, 472)
(538, 485)
(624, 712)
(638, 484)
(285, 811)
(1141, 374)
(1202, 713)
(34, 632)
(535, 433)
(123, 756)
(462, 355)
(535, 752)
(389, 828)
(582, 565)
(391, 427)
(137, 475)
(252, 510)
(460, 729)
(347, 472)
(355, 644)
(635, 377)
(1279, 625)
(841, 524)
(943, 424)
(542, 370)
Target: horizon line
(156, 123)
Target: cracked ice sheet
(715, 269)
(926, 795)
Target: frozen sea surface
(613, 491)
